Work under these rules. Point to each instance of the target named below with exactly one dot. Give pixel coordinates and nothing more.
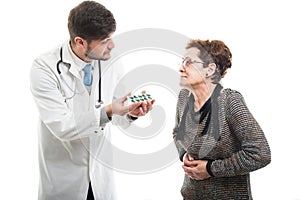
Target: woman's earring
(206, 75)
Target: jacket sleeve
(53, 111)
(179, 109)
(254, 152)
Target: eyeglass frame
(191, 62)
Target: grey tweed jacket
(235, 145)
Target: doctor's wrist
(108, 110)
(131, 118)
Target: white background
(262, 35)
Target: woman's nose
(181, 68)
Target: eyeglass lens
(186, 61)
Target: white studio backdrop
(262, 35)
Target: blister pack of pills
(140, 98)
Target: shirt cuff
(208, 164)
(103, 117)
(131, 118)
(181, 155)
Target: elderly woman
(216, 136)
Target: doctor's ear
(211, 69)
(80, 42)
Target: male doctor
(73, 132)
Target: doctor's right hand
(117, 107)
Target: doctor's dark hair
(90, 21)
(214, 51)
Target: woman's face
(192, 71)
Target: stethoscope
(99, 101)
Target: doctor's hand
(195, 169)
(118, 108)
(143, 109)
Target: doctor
(73, 128)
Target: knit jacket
(234, 145)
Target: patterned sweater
(234, 144)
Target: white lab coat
(71, 142)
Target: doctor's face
(100, 49)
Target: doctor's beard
(95, 55)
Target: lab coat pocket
(69, 102)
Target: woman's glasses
(188, 61)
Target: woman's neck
(201, 94)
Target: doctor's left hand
(117, 107)
(143, 109)
(135, 110)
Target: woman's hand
(195, 169)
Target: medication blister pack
(140, 98)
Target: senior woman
(216, 136)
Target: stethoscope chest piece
(98, 104)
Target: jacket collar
(76, 64)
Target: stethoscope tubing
(99, 101)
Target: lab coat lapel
(73, 70)
(67, 57)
